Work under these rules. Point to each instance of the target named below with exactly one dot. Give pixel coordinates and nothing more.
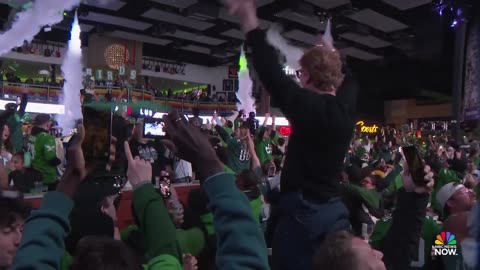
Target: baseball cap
(446, 192)
(91, 193)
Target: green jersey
(264, 150)
(264, 147)
(423, 258)
(43, 151)
(228, 130)
(238, 155)
(237, 123)
(395, 185)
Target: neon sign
(367, 129)
(289, 71)
(285, 131)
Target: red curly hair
(324, 65)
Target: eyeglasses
(299, 73)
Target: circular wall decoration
(116, 55)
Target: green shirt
(264, 150)
(238, 155)
(237, 123)
(423, 258)
(16, 135)
(228, 130)
(264, 146)
(395, 185)
(43, 150)
(191, 240)
(368, 196)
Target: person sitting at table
(14, 210)
(21, 178)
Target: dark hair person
(13, 211)
(104, 253)
(310, 204)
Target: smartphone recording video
(415, 165)
(104, 129)
(153, 128)
(165, 184)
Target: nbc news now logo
(445, 245)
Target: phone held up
(164, 184)
(153, 128)
(415, 165)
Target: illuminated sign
(285, 131)
(122, 71)
(289, 71)
(367, 129)
(146, 112)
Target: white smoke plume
(28, 23)
(327, 36)
(291, 53)
(245, 84)
(72, 69)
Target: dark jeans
(303, 225)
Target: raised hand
(189, 262)
(139, 171)
(76, 160)
(76, 171)
(410, 185)
(192, 145)
(246, 11)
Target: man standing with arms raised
(310, 204)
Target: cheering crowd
(330, 200)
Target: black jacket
(322, 126)
(402, 239)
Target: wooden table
(124, 211)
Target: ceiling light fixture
(116, 55)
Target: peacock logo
(445, 238)
(445, 244)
